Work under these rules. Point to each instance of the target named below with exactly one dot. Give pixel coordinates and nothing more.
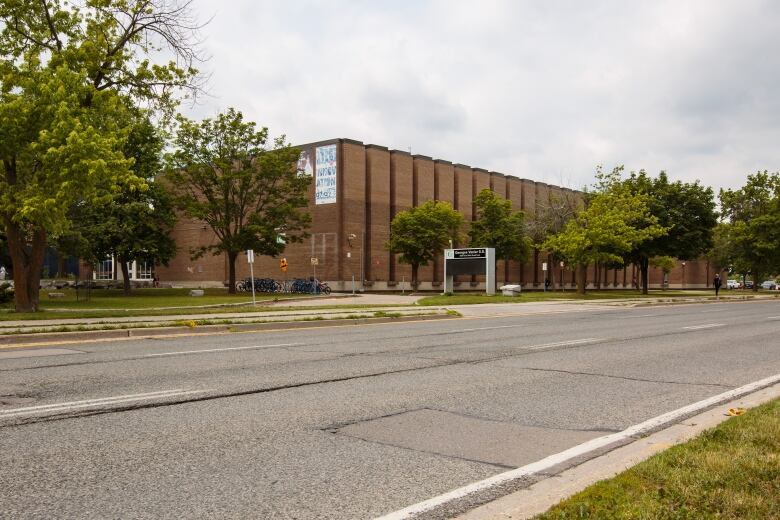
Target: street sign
(315, 260)
(250, 256)
(283, 265)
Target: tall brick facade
(348, 235)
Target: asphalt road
(349, 422)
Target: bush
(6, 292)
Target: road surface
(350, 421)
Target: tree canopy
(419, 234)
(614, 223)
(499, 227)
(136, 224)
(751, 232)
(224, 174)
(686, 210)
(68, 75)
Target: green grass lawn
(113, 302)
(537, 296)
(729, 472)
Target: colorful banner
(325, 180)
(304, 164)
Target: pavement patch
(499, 443)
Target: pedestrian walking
(716, 282)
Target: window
(143, 270)
(104, 270)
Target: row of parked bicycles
(298, 285)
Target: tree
(686, 210)
(136, 224)
(752, 214)
(67, 74)
(614, 222)
(550, 217)
(223, 174)
(665, 263)
(419, 234)
(499, 227)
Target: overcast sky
(542, 90)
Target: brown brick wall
(378, 200)
(423, 184)
(402, 188)
(374, 184)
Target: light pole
(352, 237)
(683, 275)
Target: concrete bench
(510, 290)
(196, 292)
(56, 295)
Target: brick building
(356, 191)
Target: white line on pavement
(773, 318)
(203, 351)
(486, 328)
(577, 451)
(60, 407)
(705, 326)
(563, 343)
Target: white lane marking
(486, 328)
(773, 318)
(705, 326)
(228, 349)
(577, 451)
(638, 316)
(74, 405)
(563, 343)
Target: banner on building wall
(304, 164)
(325, 180)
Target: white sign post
(544, 268)
(250, 258)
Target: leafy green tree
(223, 174)
(665, 263)
(419, 234)
(67, 73)
(550, 217)
(724, 255)
(499, 227)
(686, 210)
(136, 224)
(752, 214)
(614, 222)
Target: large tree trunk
(415, 268)
(27, 263)
(644, 267)
(125, 275)
(232, 272)
(582, 278)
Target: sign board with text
(470, 261)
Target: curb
(22, 340)
(538, 497)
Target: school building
(356, 191)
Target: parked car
(732, 284)
(770, 285)
(749, 284)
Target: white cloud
(539, 90)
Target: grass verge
(729, 472)
(536, 296)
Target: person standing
(716, 282)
